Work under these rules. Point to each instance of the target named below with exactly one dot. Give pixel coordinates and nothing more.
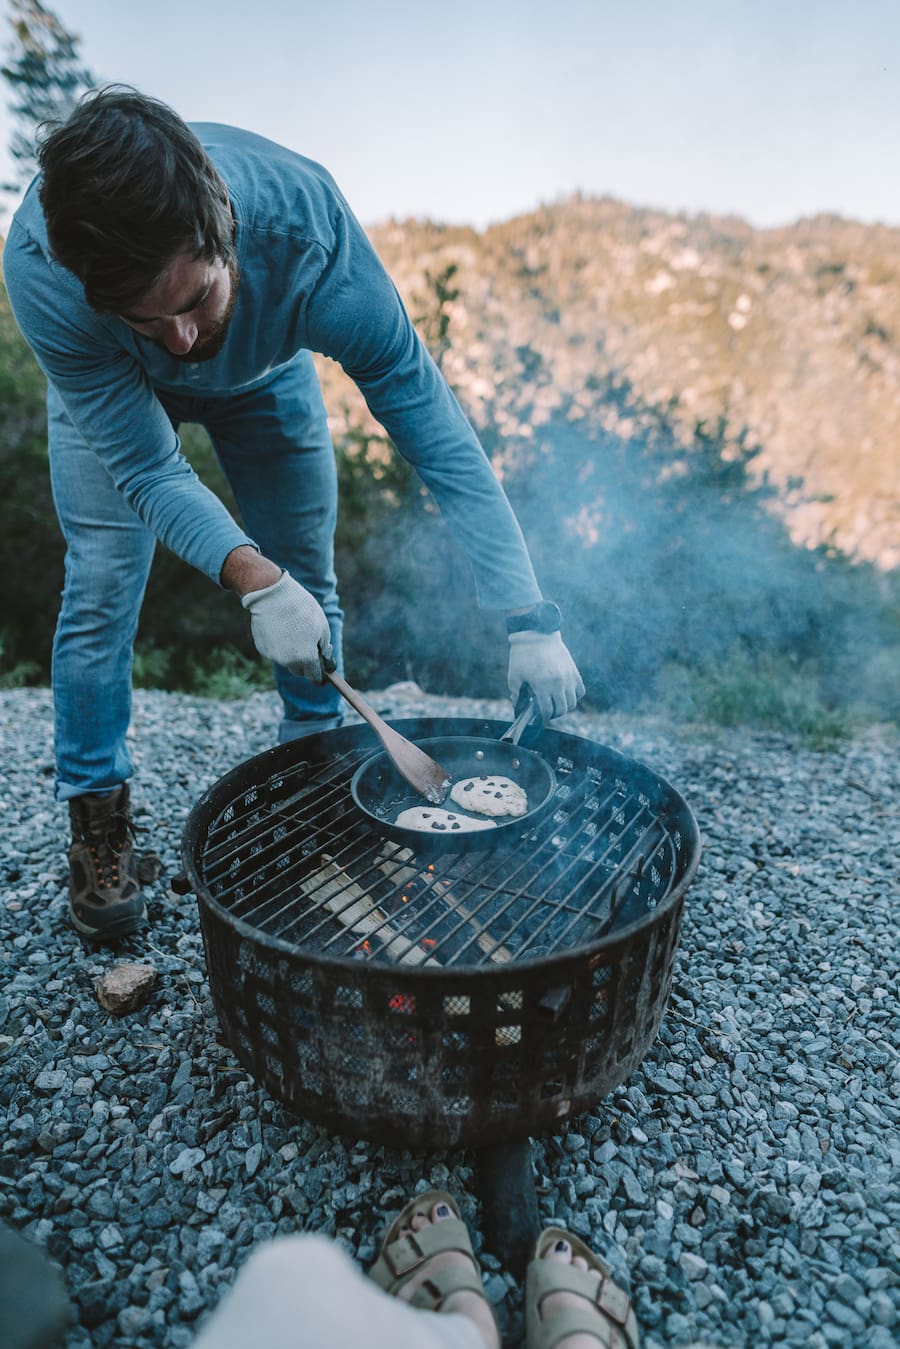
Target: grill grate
(292, 857)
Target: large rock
(125, 988)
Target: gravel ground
(746, 1176)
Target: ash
(744, 1179)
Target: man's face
(188, 310)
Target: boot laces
(106, 838)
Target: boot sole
(112, 931)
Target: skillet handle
(528, 718)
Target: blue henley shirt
(310, 280)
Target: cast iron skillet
(381, 793)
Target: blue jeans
(275, 450)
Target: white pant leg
(303, 1292)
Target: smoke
(670, 555)
(670, 562)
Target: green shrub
(227, 674)
(874, 694)
(152, 666)
(765, 690)
(15, 673)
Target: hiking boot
(105, 901)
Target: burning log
(332, 889)
(396, 867)
(355, 910)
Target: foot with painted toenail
(572, 1300)
(427, 1261)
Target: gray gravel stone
(186, 1160)
(744, 1179)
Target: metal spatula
(422, 773)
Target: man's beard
(205, 348)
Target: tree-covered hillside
(788, 338)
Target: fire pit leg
(509, 1202)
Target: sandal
(606, 1315)
(402, 1253)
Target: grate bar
(216, 855)
(608, 889)
(478, 907)
(543, 899)
(372, 876)
(551, 863)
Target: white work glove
(542, 660)
(289, 627)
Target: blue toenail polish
(442, 1211)
(561, 1246)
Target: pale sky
(473, 111)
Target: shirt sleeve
(355, 315)
(110, 400)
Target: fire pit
(438, 1001)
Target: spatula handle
(359, 704)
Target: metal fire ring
(523, 1000)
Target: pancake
(431, 819)
(490, 795)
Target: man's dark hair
(126, 188)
